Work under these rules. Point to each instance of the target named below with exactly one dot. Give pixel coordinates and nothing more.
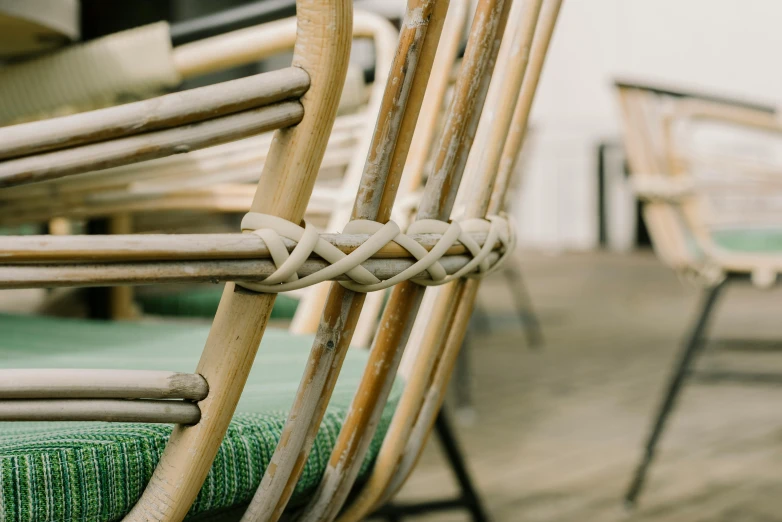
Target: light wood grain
(307, 316)
(397, 320)
(157, 144)
(41, 383)
(454, 303)
(440, 192)
(218, 271)
(154, 411)
(184, 247)
(171, 110)
(379, 182)
(202, 164)
(322, 49)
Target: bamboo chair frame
(158, 186)
(406, 85)
(447, 319)
(194, 59)
(450, 158)
(291, 168)
(241, 319)
(307, 316)
(321, 52)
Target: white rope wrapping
(273, 229)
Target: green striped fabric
(20, 230)
(96, 471)
(202, 302)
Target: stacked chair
(707, 172)
(218, 179)
(270, 424)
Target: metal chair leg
(470, 497)
(680, 371)
(526, 313)
(461, 378)
(480, 320)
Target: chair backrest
(439, 332)
(415, 413)
(308, 313)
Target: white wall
(730, 47)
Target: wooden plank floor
(557, 432)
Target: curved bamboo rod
(106, 410)
(308, 312)
(171, 110)
(455, 142)
(210, 160)
(322, 50)
(390, 142)
(217, 271)
(458, 318)
(152, 145)
(42, 383)
(184, 247)
(236, 48)
(307, 316)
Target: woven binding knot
(273, 229)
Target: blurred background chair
(707, 170)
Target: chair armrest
(660, 187)
(741, 116)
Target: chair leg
(461, 378)
(480, 320)
(526, 312)
(680, 371)
(470, 497)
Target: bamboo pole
(171, 110)
(391, 140)
(465, 292)
(185, 247)
(217, 271)
(462, 118)
(121, 303)
(152, 145)
(307, 316)
(252, 150)
(322, 49)
(106, 410)
(41, 383)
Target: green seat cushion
(758, 240)
(202, 302)
(20, 230)
(95, 471)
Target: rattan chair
(110, 465)
(278, 255)
(704, 169)
(219, 179)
